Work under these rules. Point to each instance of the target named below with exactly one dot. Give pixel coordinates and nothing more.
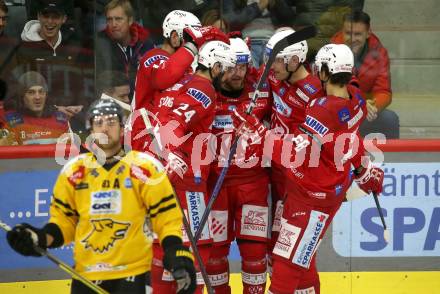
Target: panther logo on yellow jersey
(104, 234)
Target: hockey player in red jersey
(241, 210)
(327, 145)
(161, 68)
(188, 112)
(293, 88)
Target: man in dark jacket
(123, 42)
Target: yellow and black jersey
(103, 212)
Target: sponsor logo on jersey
(94, 173)
(223, 122)
(196, 207)
(199, 96)
(219, 279)
(153, 59)
(321, 101)
(139, 173)
(76, 176)
(254, 220)
(310, 240)
(310, 290)
(282, 91)
(310, 88)
(261, 94)
(317, 195)
(286, 239)
(280, 106)
(104, 234)
(355, 118)
(106, 202)
(302, 95)
(316, 125)
(104, 267)
(219, 226)
(128, 183)
(344, 115)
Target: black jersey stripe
(163, 209)
(66, 206)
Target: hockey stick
(386, 233)
(291, 39)
(189, 234)
(73, 273)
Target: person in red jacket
(372, 68)
(186, 113)
(241, 210)
(161, 68)
(324, 147)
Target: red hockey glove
(201, 35)
(370, 179)
(248, 125)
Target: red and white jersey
(241, 168)
(191, 108)
(331, 127)
(158, 70)
(290, 102)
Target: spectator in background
(213, 18)
(29, 117)
(372, 68)
(123, 42)
(63, 63)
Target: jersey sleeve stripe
(163, 209)
(163, 200)
(65, 206)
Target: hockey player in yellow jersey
(100, 202)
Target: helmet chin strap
(291, 72)
(323, 83)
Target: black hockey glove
(23, 238)
(179, 261)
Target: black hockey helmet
(104, 107)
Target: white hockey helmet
(217, 51)
(298, 49)
(177, 20)
(241, 50)
(338, 58)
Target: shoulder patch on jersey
(310, 88)
(139, 173)
(153, 59)
(344, 115)
(355, 118)
(200, 97)
(316, 125)
(302, 95)
(77, 175)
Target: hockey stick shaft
(379, 209)
(291, 39)
(73, 273)
(186, 224)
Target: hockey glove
(176, 165)
(201, 35)
(248, 125)
(179, 261)
(369, 179)
(23, 238)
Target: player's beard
(217, 81)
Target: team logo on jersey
(254, 220)
(153, 59)
(316, 125)
(310, 88)
(199, 96)
(104, 234)
(311, 238)
(286, 239)
(281, 106)
(344, 115)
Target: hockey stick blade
(73, 273)
(295, 37)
